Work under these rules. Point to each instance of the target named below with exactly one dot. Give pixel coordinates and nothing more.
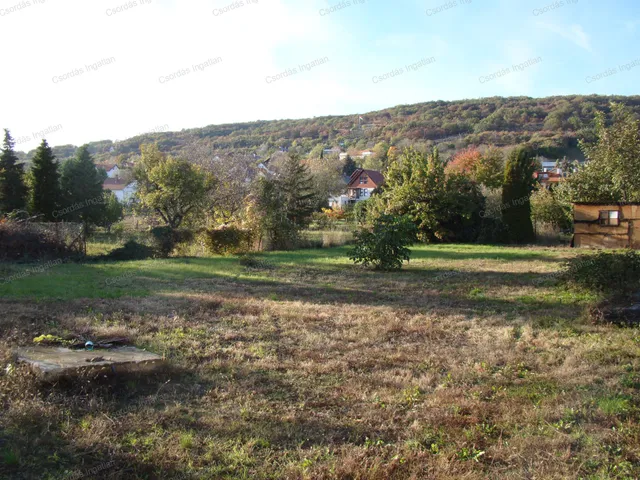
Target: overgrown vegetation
(612, 273)
(467, 363)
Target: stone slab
(55, 362)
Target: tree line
(51, 192)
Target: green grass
(472, 361)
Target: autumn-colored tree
(465, 161)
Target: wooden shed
(603, 225)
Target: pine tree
(13, 191)
(46, 196)
(296, 185)
(350, 166)
(519, 183)
(82, 189)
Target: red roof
(106, 166)
(114, 184)
(376, 177)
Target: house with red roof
(362, 184)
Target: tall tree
(13, 190)
(46, 195)
(296, 184)
(81, 185)
(519, 183)
(174, 189)
(612, 172)
(285, 201)
(443, 207)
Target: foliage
(548, 208)
(612, 173)
(385, 245)
(443, 207)
(46, 196)
(519, 183)
(349, 166)
(465, 161)
(82, 193)
(616, 272)
(489, 171)
(13, 191)
(166, 238)
(174, 189)
(327, 178)
(23, 241)
(284, 203)
(227, 240)
(113, 211)
(131, 250)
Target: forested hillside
(552, 125)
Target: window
(364, 179)
(610, 218)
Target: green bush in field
(228, 240)
(615, 272)
(385, 245)
(131, 250)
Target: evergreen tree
(13, 191)
(518, 185)
(285, 203)
(296, 184)
(82, 192)
(46, 196)
(350, 166)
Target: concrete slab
(56, 362)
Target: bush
(24, 241)
(606, 272)
(227, 240)
(385, 246)
(165, 239)
(131, 250)
(493, 230)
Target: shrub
(385, 245)
(131, 250)
(24, 241)
(227, 240)
(606, 272)
(165, 239)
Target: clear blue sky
(243, 46)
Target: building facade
(604, 225)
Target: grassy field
(472, 362)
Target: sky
(76, 71)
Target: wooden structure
(603, 225)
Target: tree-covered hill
(552, 125)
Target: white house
(111, 168)
(123, 190)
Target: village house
(604, 225)
(111, 168)
(123, 190)
(362, 184)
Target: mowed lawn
(472, 362)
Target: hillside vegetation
(552, 125)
